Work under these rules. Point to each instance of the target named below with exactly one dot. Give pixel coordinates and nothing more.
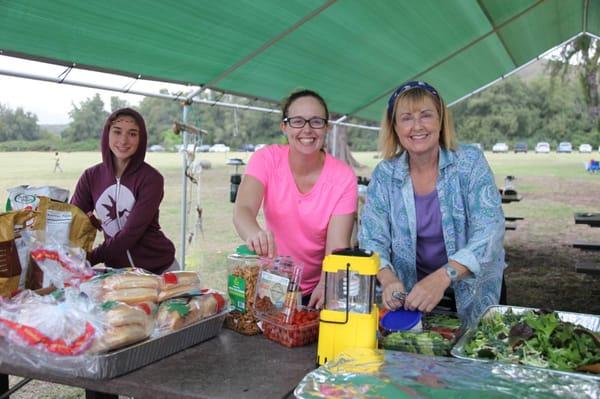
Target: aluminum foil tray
(589, 321)
(120, 361)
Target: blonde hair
(389, 143)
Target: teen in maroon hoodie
(125, 193)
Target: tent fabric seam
(452, 55)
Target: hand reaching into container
(317, 298)
(391, 286)
(262, 242)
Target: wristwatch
(451, 272)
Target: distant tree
(18, 125)
(87, 120)
(159, 115)
(117, 103)
(513, 110)
(587, 51)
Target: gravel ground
(539, 253)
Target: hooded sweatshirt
(127, 207)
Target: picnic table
(509, 196)
(227, 366)
(391, 374)
(591, 219)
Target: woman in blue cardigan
(433, 211)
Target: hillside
(54, 129)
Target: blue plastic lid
(401, 320)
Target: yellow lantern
(349, 318)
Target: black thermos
(235, 179)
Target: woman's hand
(390, 285)
(318, 295)
(389, 301)
(427, 293)
(317, 298)
(262, 242)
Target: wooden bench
(588, 268)
(510, 227)
(587, 246)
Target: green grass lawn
(539, 176)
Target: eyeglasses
(298, 122)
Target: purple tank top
(431, 250)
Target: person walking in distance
(57, 162)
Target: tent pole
(334, 138)
(90, 85)
(184, 157)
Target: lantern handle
(347, 299)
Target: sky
(50, 101)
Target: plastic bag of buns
(123, 325)
(130, 286)
(175, 314)
(61, 324)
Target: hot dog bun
(130, 280)
(169, 280)
(131, 296)
(122, 315)
(177, 291)
(117, 337)
(176, 314)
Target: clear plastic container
(433, 334)
(425, 343)
(242, 275)
(303, 329)
(278, 288)
(278, 304)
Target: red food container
(303, 330)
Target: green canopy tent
(354, 52)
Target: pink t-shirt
(299, 221)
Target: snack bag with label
(64, 224)
(27, 197)
(243, 268)
(11, 223)
(278, 289)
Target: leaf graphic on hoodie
(111, 208)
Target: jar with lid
(243, 268)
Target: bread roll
(169, 280)
(131, 296)
(117, 337)
(178, 291)
(208, 306)
(130, 280)
(122, 315)
(176, 314)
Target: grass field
(541, 178)
(541, 261)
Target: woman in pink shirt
(309, 197)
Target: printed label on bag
(236, 287)
(274, 286)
